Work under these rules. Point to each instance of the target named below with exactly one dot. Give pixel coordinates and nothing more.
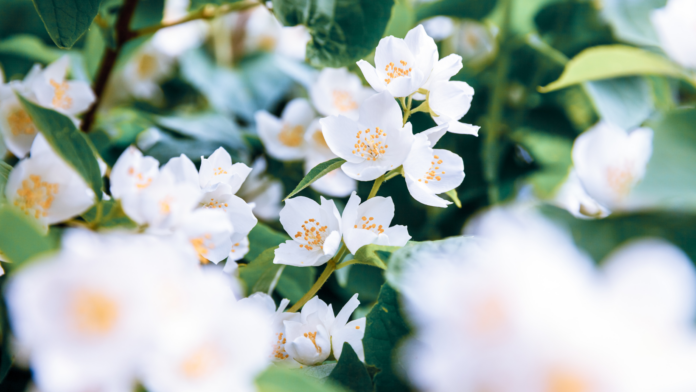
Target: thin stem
(375, 187)
(330, 268)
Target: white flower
(311, 339)
(573, 197)
(265, 33)
(132, 173)
(402, 65)
(449, 102)
(337, 92)
(439, 27)
(17, 128)
(368, 223)
(674, 25)
(240, 247)
(284, 137)
(610, 162)
(315, 231)
(46, 188)
(429, 171)
(262, 192)
(374, 144)
(54, 92)
(335, 183)
(218, 169)
(209, 231)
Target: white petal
(398, 235)
(240, 214)
(296, 211)
(462, 128)
(353, 334)
(340, 135)
(183, 170)
(350, 212)
(291, 253)
(364, 171)
(424, 196)
(446, 173)
(444, 70)
(331, 243)
(424, 50)
(450, 99)
(298, 112)
(434, 134)
(344, 315)
(270, 129)
(16, 126)
(215, 169)
(381, 110)
(357, 238)
(370, 74)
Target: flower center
(312, 336)
(20, 122)
(291, 136)
(313, 234)
(165, 205)
(60, 97)
(219, 171)
(267, 43)
(279, 347)
(215, 204)
(432, 173)
(394, 72)
(371, 146)
(318, 137)
(564, 381)
(36, 195)
(201, 362)
(140, 181)
(147, 65)
(343, 101)
(94, 312)
(620, 179)
(236, 245)
(202, 248)
(368, 225)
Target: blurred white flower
(240, 247)
(573, 197)
(263, 193)
(335, 183)
(144, 72)
(44, 187)
(338, 92)
(284, 137)
(315, 231)
(209, 231)
(265, 33)
(17, 128)
(54, 92)
(368, 223)
(610, 162)
(674, 25)
(132, 173)
(218, 169)
(310, 339)
(174, 41)
(475, 42)
(374, 144)
(402, 65)
(439, 27)
(429, 171)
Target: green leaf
(372, 255)
(630, 20)
(455, 198)
(29, 47)
(295, 282)
(66, 20)
(350, 371)
(112, 216)
(612, 61)
(384, 330)
(261, 272)
(68, 142)
(316, 173)
(343, 32)
(21, 238)
(626, 102)
(263, 237)
(469, 9)
(280, 379)
(552, 154)
(5, 170)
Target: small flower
(335, 183)
(402, 65)
(209, 232)
(449, 102)
(315, 231)
(54, 92)
(429, 171)
(132, 173)
(374, 144)
(338, 92)
(610, 162)
(240, 247)
(673, 24)
(311, 339)
(44, 187)
(16, 126)
(218, 169)
(368, 223)
(284, 137)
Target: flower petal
(370, 74)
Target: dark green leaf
(280, 379)
(5, 170)
(343, 32)
(67, 20)
(469, 9)
(373, 255)
(261, 272)
(552, 154)
(384, 330)
(21, 238)
(68, 142)
(350, 371)
(29, 47)
(263, 237)
(316, 173)
(295, 282)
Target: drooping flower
(402, 66)
(335, 183)
(315, 231)
(338, 92)
(610, 162)
(450, 101)
(44, 187)
(368, 223)
(209, 231)
(673, 25)
(374, 144)
(284, 137)
(429, 171)
(573, 197)
(54, 92)
(17, 128)
(312, 338)
(262, 192)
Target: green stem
(375, 187)
(330, 268)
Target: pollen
(202, 249)
(35, 196)
(165, 205)
(93, 312)
(394, 72)
(312, 235)
(60, 97)
(219, 171)
(291, 136)
(215, 204)
(368, 225)
(140, 181)
(20, 123)
(279, 347)
(373, 146)
(343, 101)
(312, 336)
(431, 174)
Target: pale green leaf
(67, 20)
(372, 255)
(21, 238)
(626, 102)
(316, 173)
(455, 198)
(281, 379)
(30, 48)
(5, 170)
